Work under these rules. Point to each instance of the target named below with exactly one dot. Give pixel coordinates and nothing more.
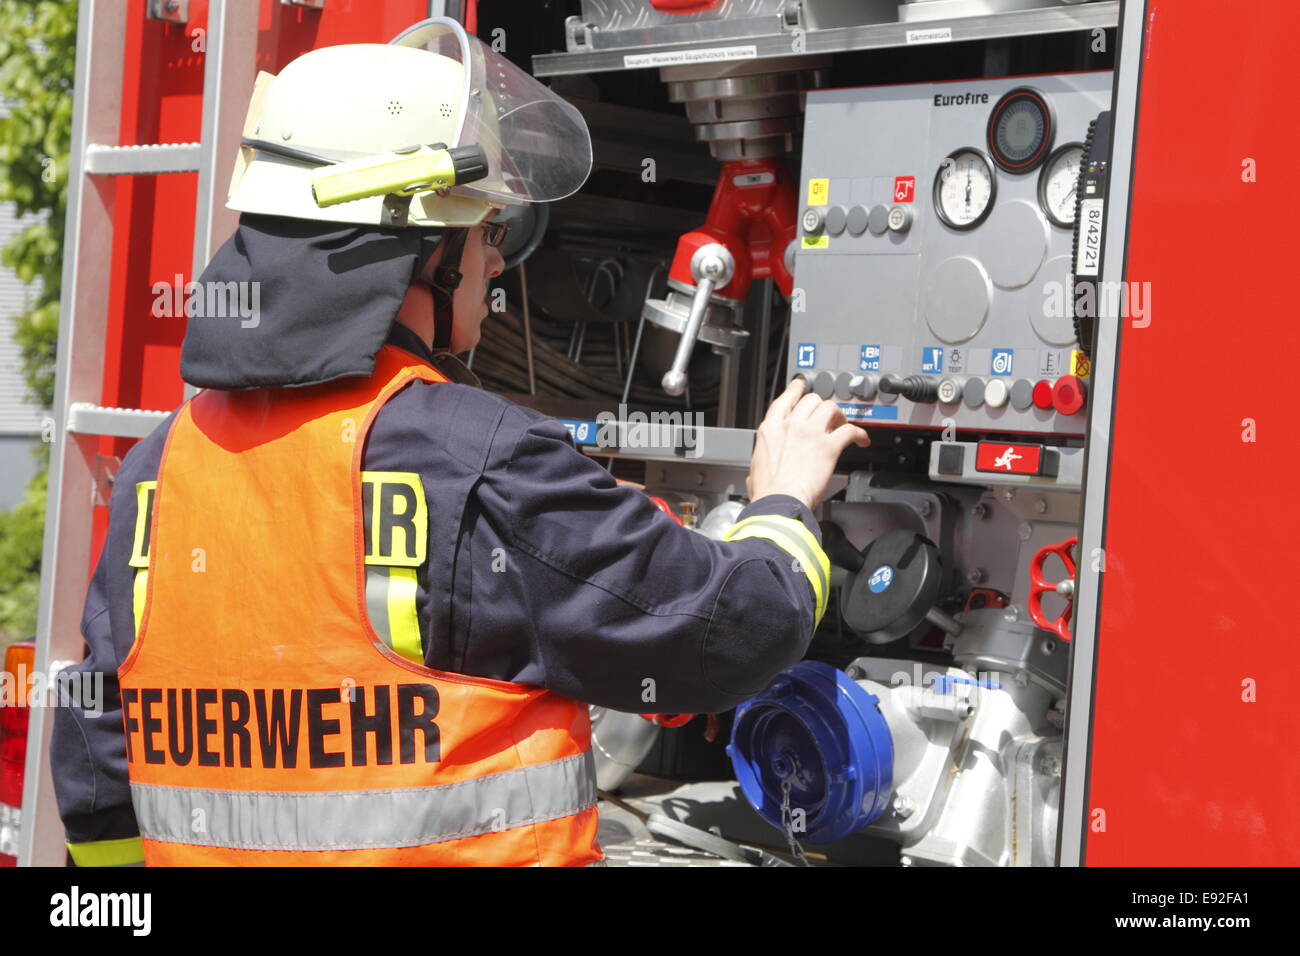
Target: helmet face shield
(537, 145)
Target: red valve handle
(654, 499)
(668, 720)
(664, 507)
(1039, 585)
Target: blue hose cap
(816, 724)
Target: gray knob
(857, 220)
(844, 386)
(878, 220)
(813, 220)
(864, 387)
(1022, 394)
(824, 384)
(837, 218)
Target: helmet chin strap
(443, 283)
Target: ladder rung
(142, 160)
(87, 419)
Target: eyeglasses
(494, 233)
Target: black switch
(952, 459)
(1050, 467)
(917, 388)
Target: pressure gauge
(1020, 130)
(964, 189)
(1058, 184)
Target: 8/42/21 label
(1091, 212)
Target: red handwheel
(1039, 585)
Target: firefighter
(351, 608)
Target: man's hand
(798, 444)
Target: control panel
(933, 266)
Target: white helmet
(432, 85)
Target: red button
(1068, 394)
(1043, 394)
(1015, 459)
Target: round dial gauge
(1020, 130)
(1058, 184)
(964, 189)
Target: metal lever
(712, 266)
(674, 380)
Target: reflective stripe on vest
(275, 703)
(373, 818)
(794, 538)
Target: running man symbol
(1005, 459)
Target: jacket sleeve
(87, 744)
(627, 609)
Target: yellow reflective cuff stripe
(813, 563)
(108, 852)
(791, 536)
(139, 590)
(403, 619)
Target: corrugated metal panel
(17, 414)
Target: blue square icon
(1003, 361)
(932, 360)
(869, 358)
(806, 356)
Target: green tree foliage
(20, 562)
(38, 44)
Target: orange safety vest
(267, 723)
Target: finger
(828, 417)
(762, 457)
(787, 400)
(807, 405)
(849, 434)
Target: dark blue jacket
(599, 590)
